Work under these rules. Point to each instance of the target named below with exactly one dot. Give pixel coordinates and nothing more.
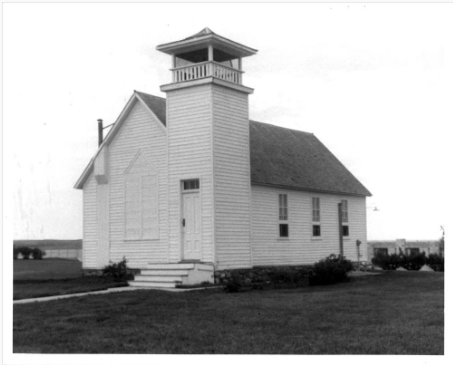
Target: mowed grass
(42, 278)
(47, 269)
(391, 313)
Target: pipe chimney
(100, 132)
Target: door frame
(181, 215)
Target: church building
(187, 185)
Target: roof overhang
(331, 192)
(217, 41)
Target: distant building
(408, 247)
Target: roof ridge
(277, 126)
(154, 96)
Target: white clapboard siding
(103, 224)
(189, 128)
(300, 247)
(231, 178)
(90, 224)
(140, 149)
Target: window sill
(316, 238)
(283, 239)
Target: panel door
(191, 226)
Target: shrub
(435, 262)
(25, 252)
(413, 262)
(37, 253)
(233, 284)
(386, 261)
(332, 269)
(118, 271)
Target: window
(193, 184)
(141, 213)
(344, 211)
(316, 210)
(381, 251)
(316, 230)
(316, 217)
(283, 214)
(283, 207)
(284, 231)
(412, 251)
(345, 230)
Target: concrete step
(150, 284)
(165, 272)
(158, 279)
(170, 266)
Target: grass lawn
(41, 278)
(391, 313)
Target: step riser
(162, 279)
(165, 272)
(170, 266)
(151, 284)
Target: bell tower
(208, 151)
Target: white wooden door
(191, 222)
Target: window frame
(313, 231)
(316, 217)
(283, 215)
(345, 218)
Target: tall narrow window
(316, 217)
(316, 210)
(283, 207)
(344, 211)
(283, 214)
(141, 207)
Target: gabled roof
(294, 159)
(279, 157)
(156, 104)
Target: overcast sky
(371, 81)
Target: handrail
(207, 69)
(205, 63)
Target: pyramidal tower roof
(201, 33)
(204, 38)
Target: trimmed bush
(37, 253)
(332, 269)
(435, 262)
(386, 261)
(413, 262)
(118, 270)
(234, 283)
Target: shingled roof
(156, 104)
(282, 157)
(289, 158)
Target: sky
(371, 81)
